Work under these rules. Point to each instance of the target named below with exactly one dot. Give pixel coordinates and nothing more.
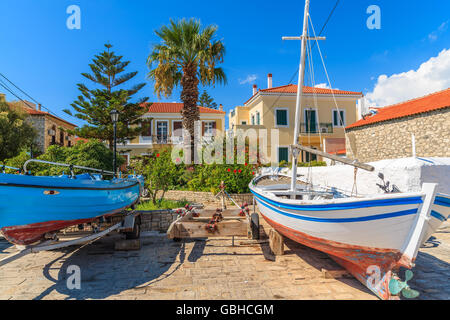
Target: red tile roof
(434, 101)
(77, 139)
(339, 152)
(175, 107)
(292, 88)
(42, 113)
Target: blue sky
(41, 55)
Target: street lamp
(114, 117)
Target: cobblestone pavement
(203, 269)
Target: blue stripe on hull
(340, 220)
(438, 216)
(342, 206)
(442, 201)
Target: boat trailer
(129, 225)
(222, 222)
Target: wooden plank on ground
(335, 274)
(188, 229)
(126, 245)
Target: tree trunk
(189, 96)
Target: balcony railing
(155, 139)
(316, 128)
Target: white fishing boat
(371, 236)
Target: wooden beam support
(192, 229)
(126, 245)
(335, 274)
(276, 242)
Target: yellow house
(320, 124)
(162, 121)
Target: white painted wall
(407, 174)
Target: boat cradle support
(126, 225)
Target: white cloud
(436, 33)
(324, 86)
(250, 78)
(432, 75)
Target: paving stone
(206, 269)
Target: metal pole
(298, 106)
(114, 157)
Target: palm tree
(187, 55)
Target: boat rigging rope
(341, 121)
(296, 72)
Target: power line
(26, 94)
(19, 88)
(10, 91)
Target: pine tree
(94, 105)
(206, 100)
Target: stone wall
(151, 220)
(207, 197)
(157, 220)
(392, 139)
(38, 123)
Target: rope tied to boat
(354, 187)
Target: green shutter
(283, 154)
(282, 117)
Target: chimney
(269, 81)
(2, 97)
(39, 107)
(255, 89)
(220, 107)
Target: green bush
(162, 204)
(93, 154)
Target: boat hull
(440, 212)
(34, 206)
(369, 237)
(371, 266)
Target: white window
(338, 118)
(253, 119)
(162, 131)
(210, 126)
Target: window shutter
(203, 128)
(335, 122)
(214, 125)
(282, 117)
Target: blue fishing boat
(33, 206)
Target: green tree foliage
(93, 154)
(207, 101)
(162, 174)
(188, 55)
(15, 132)
(94, 105)
(159, 171)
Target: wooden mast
(296, 147)
(298, 106)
